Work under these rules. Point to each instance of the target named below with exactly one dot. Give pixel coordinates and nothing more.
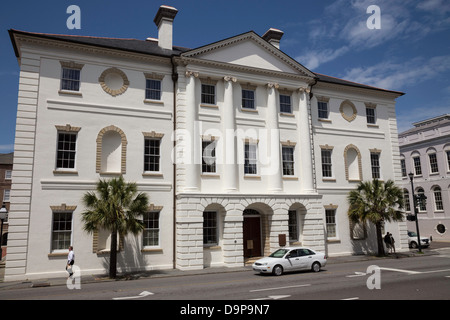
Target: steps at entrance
(250, 261)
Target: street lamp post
(3, 214)
(415, 204)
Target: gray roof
(151, 47)
(440, 121)
(6, 158)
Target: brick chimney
(273, 36)
(164, 21)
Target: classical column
(191, 140)
(306, 178)
(230, 167)
(273, 140)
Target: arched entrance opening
(252, 233)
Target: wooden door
(252, 237)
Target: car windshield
(412, 234)
(279, 253)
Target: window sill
(371, 125)
(70, 93)
(58, 254)
(62, 171)
(152, 250)
(204, 105)
(329, 179)
(324, 120)
(249, 110)
(210, 175)
(249, 176)
(290, 178)
(286, 114)
(152, 174)
(212, 247)
(158, 102)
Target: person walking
(70, 261)
(387, 241)
(392, 242)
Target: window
(70, 79)
(417, 166)
(152, 89)
(8, 174)
(438, 199)
(326, 163)
(433, 163)
(208, 94)
(65, 157)
(6, 195)
(152, 155)
(370, 115)
(288, 160)
(330, 216)
(293, 225)
(448, 160)
(375, 163)
(406, 200)
(62, 230)
(323, 109)
(151, 229)
(285, 104)
(403, 165)
(422, 206)
(208, 156)
(250, 158)
(248, 99)
(210, 227)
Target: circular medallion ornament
(114, 81)
(348, 110)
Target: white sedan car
(291, 259)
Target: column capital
(304, 90)
(274, 85)
(230, 78)
(192, 73)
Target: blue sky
(409, 53)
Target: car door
(305, 258)
(293, 261)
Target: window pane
(285, 104)
(209, 227)
(70, 79)
(248, 99)
(208, 94)
(62, 230)
(375, 162)
(65, 157)
(326, 163)
(208, 156)
(330, 216)
(250, 159)
(323, 109)
(153, 89)
(151, 229)
(152, 154)
(287, 154)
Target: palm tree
(377, 202)
(116, 208)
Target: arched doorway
(252, 233)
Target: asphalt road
(413, 278)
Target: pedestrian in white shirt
(70, 261)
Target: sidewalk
(177, 273)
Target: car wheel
(315, 267)
(278, 270)
(413, 245)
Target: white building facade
(425, 152)
(240, 148)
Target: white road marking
(272, 297)
(354, 298)
(279, 288)
(141, 295)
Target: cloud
(397, 76)
(312, 59)
(343, 25)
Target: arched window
(438, 204)
(406, 200)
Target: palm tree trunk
(380, 240)
(113, 255)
